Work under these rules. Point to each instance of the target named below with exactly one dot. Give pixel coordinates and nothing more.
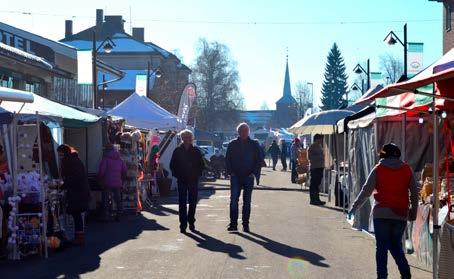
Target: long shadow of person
(284, 249)
(74, 261)
(215, 245)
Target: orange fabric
(392, 188)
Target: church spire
(287, 89)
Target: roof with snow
(124, 43)
(128, 82)
(56, 46)
(257, 117)
(23, 56)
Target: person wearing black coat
(187, 165)
(77, 189)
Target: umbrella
(319, 123)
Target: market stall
(36, 200)
(324, 123)
(440, 78)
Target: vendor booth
(157, 128)
(429, 98)
(31, 185)
(324, 123)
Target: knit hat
(390, 150)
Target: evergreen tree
(335, 83)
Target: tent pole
(436, 204)
(404, 137)
(344, 169)
(43, 187)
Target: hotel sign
(24, 44)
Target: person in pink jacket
(112, 171)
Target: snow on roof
(123, 43)
(58, 47)
(128, 82)
(26, 55)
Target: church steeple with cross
(286, 106)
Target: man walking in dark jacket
(243, 162)
(187, 166)
(284, 154)
(317, 165)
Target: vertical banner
(141, 84)
(186, 101)
(84, 67)
(414, 59)
(376, 78)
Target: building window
(6, 82)
(448, 16)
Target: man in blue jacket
(243, 162)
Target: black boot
(405, 275)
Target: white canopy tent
(141, 112)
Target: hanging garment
(1, 221)
(446, 266)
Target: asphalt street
(288, 239)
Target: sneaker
(246, 228)
(232, 228)
(192, 227)
(182, 230)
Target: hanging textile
(446, 266)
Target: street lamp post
(157, 72)
(354, 87)
(359, 70)
(392, 39)
(312, 95)
(107, 45)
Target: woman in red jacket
(393, 185)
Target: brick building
(448, 32)
(131, 54)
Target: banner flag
(84, 67)
(414, 58)
(376, 78)
(141, 84)
(186, 101)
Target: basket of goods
(302, 179)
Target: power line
(233, 22)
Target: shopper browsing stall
(76, 184)
(393, 184)
(111, 174)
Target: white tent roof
(141, 112)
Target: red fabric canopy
(441, 70)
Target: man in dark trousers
(243, 162)
(316, 165)
(274, 151)
(284, 155)
(187, 166)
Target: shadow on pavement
(74, 261)
(159, 206)
(215, 245)
(284, 249)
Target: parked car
(208, 151)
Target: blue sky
(307, 27)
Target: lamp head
(107, 47)
(390, 40)
(158, 73)
(358, 69)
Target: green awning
(72, 118)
